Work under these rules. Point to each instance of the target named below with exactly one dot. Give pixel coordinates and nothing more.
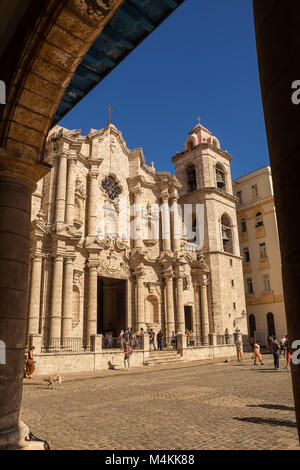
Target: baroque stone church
(90, 273)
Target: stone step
(163, 359)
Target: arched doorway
(252, 325)
(271, 324)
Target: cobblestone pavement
(216, 406)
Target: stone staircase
(163, 357)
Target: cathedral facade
(116, 244)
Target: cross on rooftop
(110, 110)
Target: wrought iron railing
(225, 339)
(63, 345)
(109, 342)
(194, 341)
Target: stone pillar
(196, 314)
(93, 198)
(204, 313)
(35, 296)
(70, 202)
(92, 304)
(138, 228)
(61, 189)
(96, 343)
(56, 306)
(177, 223)
(140, 301)
(18, 177)
(278, 61)
(180, 305)
(181, 344)
(170, 317)
(166, 226)
(66, 330)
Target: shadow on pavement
(273, 407)
(272, 422)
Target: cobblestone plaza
(183, 406)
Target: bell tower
(203, 169)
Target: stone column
(66, 331)
(279, 68)
(180, 305)
(35, 296)
(166, 226)
(177, 223)
(70, 202)
(138, 229)
(92, 303)
(170, 318)
(204, 313)
(140, 301)
(61, 189)
(93, 198)
(18, 177)
(56, 306)
(197, 326)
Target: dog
(53, 379)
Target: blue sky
(200, 61)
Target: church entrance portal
(111, 305)
(188, 317)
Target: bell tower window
(191, 178)
(220, 177)
(226, 234)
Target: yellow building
(260, 249)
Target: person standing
(276, 353)
(160, 340)
(227, 336)
(121, 339)
(127, 355)
(152, 339)
(239, 349)
(288, 355)
(192, 338)
(30, 367)
(174, 340)
(257, 354)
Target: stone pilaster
(197, 325)
(70, 198)
(35, 296)
(138, 229)
(180, 303)
(204, 311)
(140, 299)
(93, 198)
(92, 303)
(56, 306)
(166, 225)
(176, 223)
(61, 189)
(67, 299)
(170, 317)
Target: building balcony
(250, 298)
(264, 263)
(243, 237)
(247, 268)
(260, 231)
